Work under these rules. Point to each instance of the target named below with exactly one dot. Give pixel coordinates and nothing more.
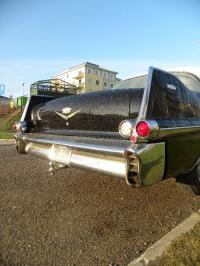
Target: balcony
(80, 75)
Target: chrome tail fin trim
(132, 178)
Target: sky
(42, 38)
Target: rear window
(172, 99)
(189, 80)
(132, 83)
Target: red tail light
(143, 129)
(133, 138)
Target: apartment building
(89, 77)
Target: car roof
(195, 71)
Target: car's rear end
(122, 132)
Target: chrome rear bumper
(139, 164)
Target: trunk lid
(92, 112)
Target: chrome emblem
(66, 113)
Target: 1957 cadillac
(145, 129)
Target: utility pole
(23, 88)
(22, 98)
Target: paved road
(78, 217)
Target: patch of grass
(7, 121)
(185, 251)
(4, 135)
(6, 124)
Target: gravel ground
(78, 217)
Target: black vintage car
(145, 129)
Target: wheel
(20, 146)
(191, 181)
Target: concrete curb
(157, 249)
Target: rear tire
(20, 146)
(190, 182)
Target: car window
(172, 99)
(132, 83)
(189, 80)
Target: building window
(89, 71)
(96, 72)
(111, 85)
(111, 76)
(79, 81)
(105, 74)
(97, 82)
(105, 84)
(90, 81)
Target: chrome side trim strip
(163, 132)
(25, 110)
(196, 163)
(145, 99)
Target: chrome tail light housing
(140, 131)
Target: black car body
(145, 129)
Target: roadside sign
(21, 101)
(12, 105)
(2, 89)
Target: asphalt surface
(78, 217)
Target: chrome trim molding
(158, 133)
(132, 178)
(198, 171)
(130, 128)
(25, 110)
(126, 128)
(140, 164)
(151, 162)
(145, 99)
(154, 131)
(154, 128)
(21, 126)
(164, 132)
(195, 165)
